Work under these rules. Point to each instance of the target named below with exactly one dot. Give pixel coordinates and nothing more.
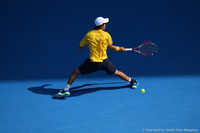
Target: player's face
(103, 26)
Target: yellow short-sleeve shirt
(97, 40)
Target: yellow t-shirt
(97, 40)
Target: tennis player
(98, 41)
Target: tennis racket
(146, 49)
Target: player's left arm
(83, 42)
(80, 47)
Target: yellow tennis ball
(143, 90)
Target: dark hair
(97, 27)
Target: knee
(76, 71)
(117, 72)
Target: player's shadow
(75, 91)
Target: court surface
(101, 105)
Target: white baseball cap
(100, 20)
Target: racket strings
(149, 49)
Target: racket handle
(129, 49)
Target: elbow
(80, 47)
(109, 47)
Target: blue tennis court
(101, 105)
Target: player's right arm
(112, 47)
(116, 48)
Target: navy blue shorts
(90, 67)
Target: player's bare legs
(65, 92)
(73, 76)
(122, 75)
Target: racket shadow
(75, 91)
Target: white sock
(129, 79)
(67, 87)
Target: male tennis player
(98, 40)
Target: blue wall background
(39, 39)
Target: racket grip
(129, 49)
